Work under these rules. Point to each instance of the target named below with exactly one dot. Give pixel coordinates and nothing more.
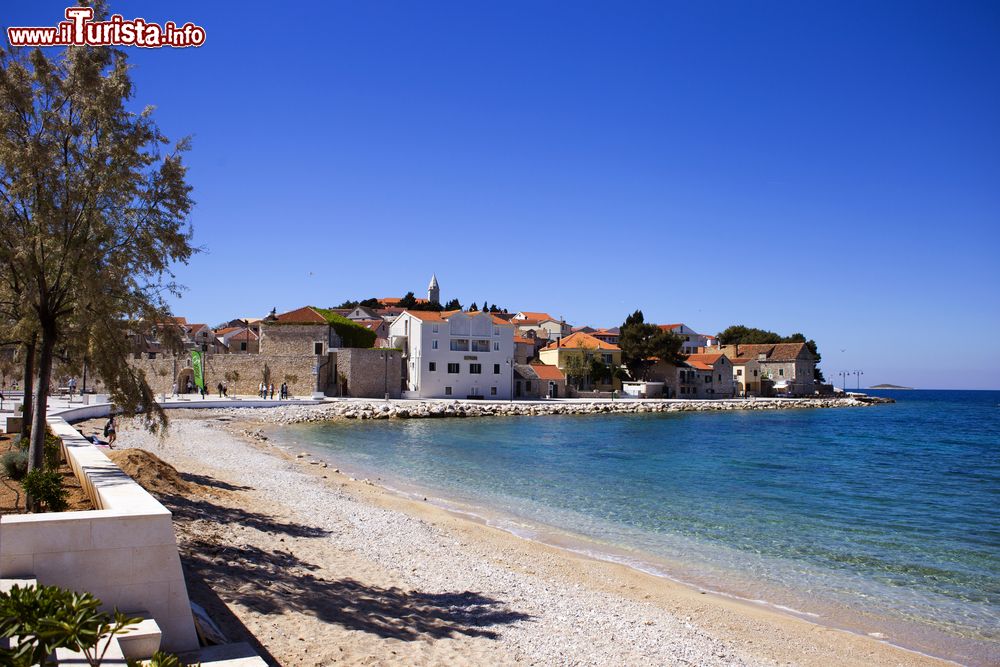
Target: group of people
(265, 390)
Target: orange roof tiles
(538, 317)
(580, 340)
(304, 315)
(704, 362)
(547, 372)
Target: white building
(454, 354)
(691, 340)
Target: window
(452, 368)
(434, 345)
(434, 328)
(243, 347)
(475, 369)
(608, 359)
(493, 391)
(755, 373)
(781, 371)
(480, 346)
(496, 346)
(460, 345)
(317, 348)
(496, 331)
(708, 379)
(739, 372)
(447, 391)
(496, 369)
(432, 366)
(527, 385)
(720, 377)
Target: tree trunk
(43, 373)
(29, 376)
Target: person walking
(284, 391)
(219, 387)
(110, 431)
(72, 387)
(271, 389)
(173, 390)
(261, 389)
(225, 389)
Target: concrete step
(139, 642)
(239, 654)
(113, 657)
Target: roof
(394, 300)
(539, 372)
(433, 316)
(580, 340)
(524, 340)
(546, 372)
(304, 315)
(540, 317)
(772, 351)
(670, 327)
(704, 362)
(370, 324)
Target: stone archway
(186, 375)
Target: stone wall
(296, 370)
(368, 374)
(294, 339)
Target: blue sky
(829, 168)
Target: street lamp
(510, 362)
(844, 375)
(858, 375)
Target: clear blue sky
(830, 168)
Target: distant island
(888, 386)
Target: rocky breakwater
(429, 409)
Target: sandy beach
(322, 569)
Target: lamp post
(510, 362)
(858, 375)
(844, 374)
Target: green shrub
(53, 450)
(351, 333)
(15, 464)
(45, 486)
(45, 618)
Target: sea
(881, 520)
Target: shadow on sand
(274, 582)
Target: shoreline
(746, 633)
(367, 408)
(829, 615)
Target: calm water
(882, 519)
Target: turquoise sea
(882, 520)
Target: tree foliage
(642, 344)
(93, 203)
(453, 304)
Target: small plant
(45, 487)
(52, 450)
(15, 465)
(45, 618)
(159, 659)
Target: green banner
(198, 368)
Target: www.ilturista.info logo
(79, 29)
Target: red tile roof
(304, 315)
(580, 340)
(547, 372)
(704, 362)
(538, 317)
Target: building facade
(454, 354)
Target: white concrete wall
(124, 552)
(423, 382)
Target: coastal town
(415, 348)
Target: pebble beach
(321, 569)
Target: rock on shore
(426, 409)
